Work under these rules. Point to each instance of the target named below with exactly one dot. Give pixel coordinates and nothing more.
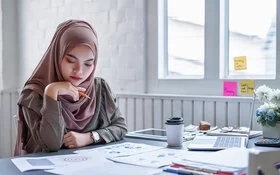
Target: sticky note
(230, 88)
(247, 87)
(240, 63)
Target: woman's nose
(78, 68)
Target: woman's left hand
(75, 140)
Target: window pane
(252, 26)
(185, 38)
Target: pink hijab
(68, 35)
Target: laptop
(205, 143)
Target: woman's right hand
(63, 88)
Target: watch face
(95, 136)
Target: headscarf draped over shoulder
(68, 35)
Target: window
(252, 33)
(185, 38)
(225, 28)
(248, 28)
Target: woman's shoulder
(29, 93)
(29, 98)
(101, 83)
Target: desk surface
(7, 167)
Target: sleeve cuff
(104, 135)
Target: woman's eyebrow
(73, 56)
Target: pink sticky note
(230, 88)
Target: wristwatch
(95, 136)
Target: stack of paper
(233, 160)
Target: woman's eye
(88, 64)
(70, 60)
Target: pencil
(84, 95)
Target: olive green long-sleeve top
(44, 126)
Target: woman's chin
(75, 83)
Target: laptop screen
(251, 117)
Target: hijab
(77, 115)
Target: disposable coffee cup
(174, 131)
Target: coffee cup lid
(174, 121)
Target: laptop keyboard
(228, 142)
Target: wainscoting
(151, 110)
(8, 100)
(146, 111)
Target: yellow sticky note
(240, 63)
(247, 87)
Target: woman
(62, 104)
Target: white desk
(7, 167)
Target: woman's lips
(75, 78)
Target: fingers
(69, 145)
(69, 141)
(81, 89)
(71, 90)
(67, 135)
(76, 95)
(74, 92)
(74, 139)
(67, 88)
(72, 146)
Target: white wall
(128, 37)
(120, 26)
(9, 38)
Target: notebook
(223, 142)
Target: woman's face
(77, 65)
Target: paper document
(28, 163)
(108, 167)
(157, 158)
(122, 149)
(86, 158)
(51, 162)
